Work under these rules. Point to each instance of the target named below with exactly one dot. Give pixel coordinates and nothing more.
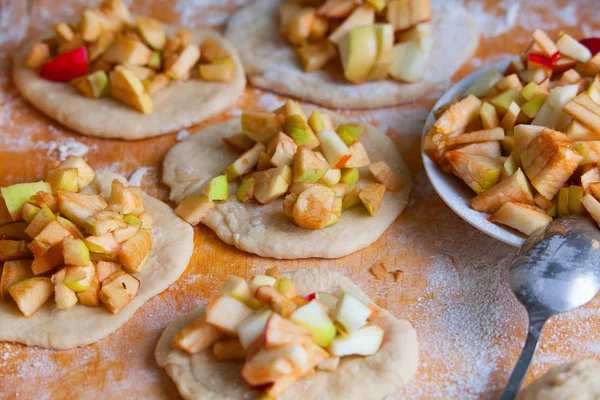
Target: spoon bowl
(556, 270)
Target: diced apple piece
(350, 133)
(105, 269)
(484, 83)
(575, 195)
(308, 166)
(239, 142)
(135, 251)
(239, 289)
(335, 150)
(331, 177)
(38, 55)
(156, 83)
(545, 43)
(276, 301)
(299, 25)
(319, 122)
(92, 86)
(271, 365)
(90, 297)
(260, 126)
(297, 127)
(281, 149)
(226, 313)
(315, 56)
(592, 206)
(75, 252)
(40, 221)
(364, 342)
(217, 188)
(358, 64)
(252, 327)
(104, 222)
(119, 291)
(479, 172)
(361, 16)
(218, 71)
(79, 207)
(48, 260)
(313, 207)
(129, 89)
(272, 183)
(16, 195)
(549, 161)
(384, 174)
(509, 168)
(261, 280)
(13, 272)
(30, 294)
(79, 278)
(371, 197)
(318, 28)
(313, 317)
(584, 110)
(86, 173)
(503, 101)
(127, 50)
(410, 59)
(281, 331)
(288, 109)
(197, 336)
(129, 202)
(211, 51)
(229, 350)
(458, 115)
(532, 90)
(66, 179)
(533, 106)
(29, 211)
(552, 110)
(152, 32)
(359, 156)
(522, 217)
(105, 244)
(404, 14)
(351, 199)
(572, 48)
(53, 234)
(490, 149)
(246, 162)
(589, 150)
(563, 202)
(193, 209)
(349, 176)
(351, 313)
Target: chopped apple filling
(372, 40)
(310, 164)
(110, 53)
(89, 247)
(278, 336)
(526, 141)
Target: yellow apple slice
(358, 52)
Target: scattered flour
(136, 177)
(182, 134)
(269, 101)
(204, 12)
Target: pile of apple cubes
(281, 336)
(110, 53)
(305, 158)
(363, 34)
(51, 235)
(537, 125)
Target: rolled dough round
(199, 376)
(264, 229)
(178, 106)
(272, 64)
(172, 247)
(578, 380)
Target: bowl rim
(447, 185)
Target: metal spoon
(556, 270)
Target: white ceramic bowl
(452, 190)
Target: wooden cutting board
(452, 283)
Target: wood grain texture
(453, 286)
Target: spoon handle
(522, 365)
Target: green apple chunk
(371, 197)
(502, 101)
(515, 188)
(217, 188)
(358, 52)
(350, 133)
(385, 42)
(104, 222)
(90, 297)
(86, 173)
(252, 327)
(245, 163)
(272, 183)
(13, 272)
(239, 289)
(105, 244)
(290, 108)
(118, 292)
(361, 16)
(351, 313)
(17, 195)
(79, 278)
(64, 297)
(75, 252)
(286, 287)
(40, 221)
(313, 317)
(479, 172)
(30, 294)
(226, 313)
(261, 280)
(79, 207)
(364, 342)
(299, 129)
(532, 90)
(533, 106)
(336, 212)
(260, 126)
(349, 175)
(319, 122)
(193, 209)
(281, 149)
(524, 218)
(410, 59)
(135, 251)
(489, 116)
(245, 192)
(125, 198)
(594, 89)
(29, 211)
(308, 166)
(92, 86)
(484, 83)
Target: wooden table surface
(453, 290)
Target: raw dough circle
(264, 229)
(575, 380)
(365, 378)
(172, 247)
(178, 106)
(272, 64)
